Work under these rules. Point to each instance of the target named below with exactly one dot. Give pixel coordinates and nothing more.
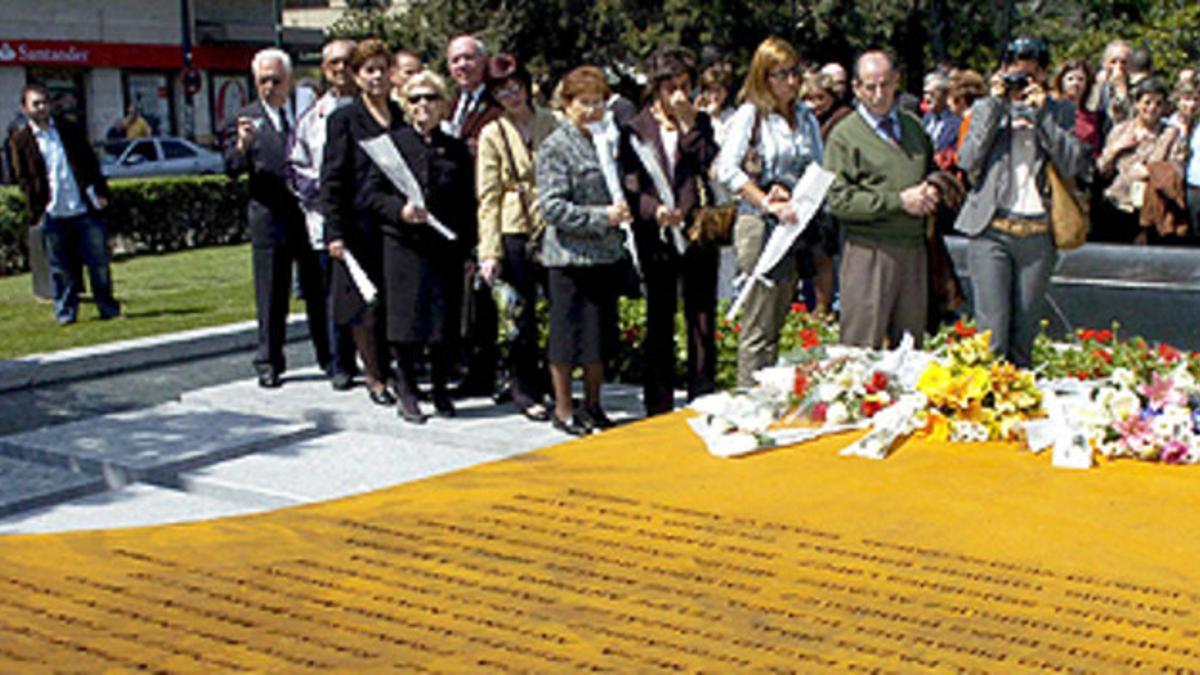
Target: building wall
(136, 21)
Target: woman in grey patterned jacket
(583, 244)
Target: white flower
(1124, 404)
(827, 392)
(837, 413)
(1124, 377)
(1090, 414)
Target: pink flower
(1176, 452)
(1136, 434)
(1161, 392)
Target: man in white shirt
(304, 172)
(65, 192)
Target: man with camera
(1017, 135)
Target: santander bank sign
(43, 53)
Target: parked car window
(177, 150)
(114, 149)
(145, 149)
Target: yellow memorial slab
(637, 551)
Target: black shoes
(571, 427)
(269, 380)
(410, 411)
(341, 381)
(443, 405)
(536, 412)
(594, 419)
(381, 396)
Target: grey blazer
(986, 152)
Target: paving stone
(328, 467)
(154, 443)
(132, 506)
(26, 485)
(481, 425)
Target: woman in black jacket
(422, 268)
(679, 141)
(344, 168)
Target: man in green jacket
(881, 156)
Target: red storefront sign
(121, 55)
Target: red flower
(799, 308)
(809, 338)
(963, 330)
(869, 408)
(1102, 354)
(1104, 336)
(818, 412)
(720, 335)
(800, 385)
(737, 327)
(878, 383)
(1168, 353)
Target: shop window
(150, 94)
(66, 91)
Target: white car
(158, 156)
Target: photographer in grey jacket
(1013, 133)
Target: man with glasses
(470, 111)
(257, 144)
(304, 172)
(880, 156)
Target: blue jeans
(69, 243)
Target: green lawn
(158, 294)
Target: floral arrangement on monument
(1094, 396)
(973, 396)
(1131, 399)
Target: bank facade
(99, 58)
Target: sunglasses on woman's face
(428, 98)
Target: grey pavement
(195, 438)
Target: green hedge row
(146, 215)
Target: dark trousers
(1193, 209)
(341, 341)
(529, 375)
(272, 290)
(697, 270)
(70, 243)
(479, 339)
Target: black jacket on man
(30, 167)
(279, 237)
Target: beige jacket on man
(499, 177)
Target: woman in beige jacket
(509, 217)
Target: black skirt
(423, 290)
(583, 313)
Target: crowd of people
(401, 204)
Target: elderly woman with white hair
(423, 268)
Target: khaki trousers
(766, 308)
(884, 293)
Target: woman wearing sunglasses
(509, 218)
(771, 140)
(422, 268)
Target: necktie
(888, 126)
(284, 128)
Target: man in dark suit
(470, 111)
(65, 192)
(256, 143)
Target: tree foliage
(556, 35)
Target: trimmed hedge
(146, 215)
